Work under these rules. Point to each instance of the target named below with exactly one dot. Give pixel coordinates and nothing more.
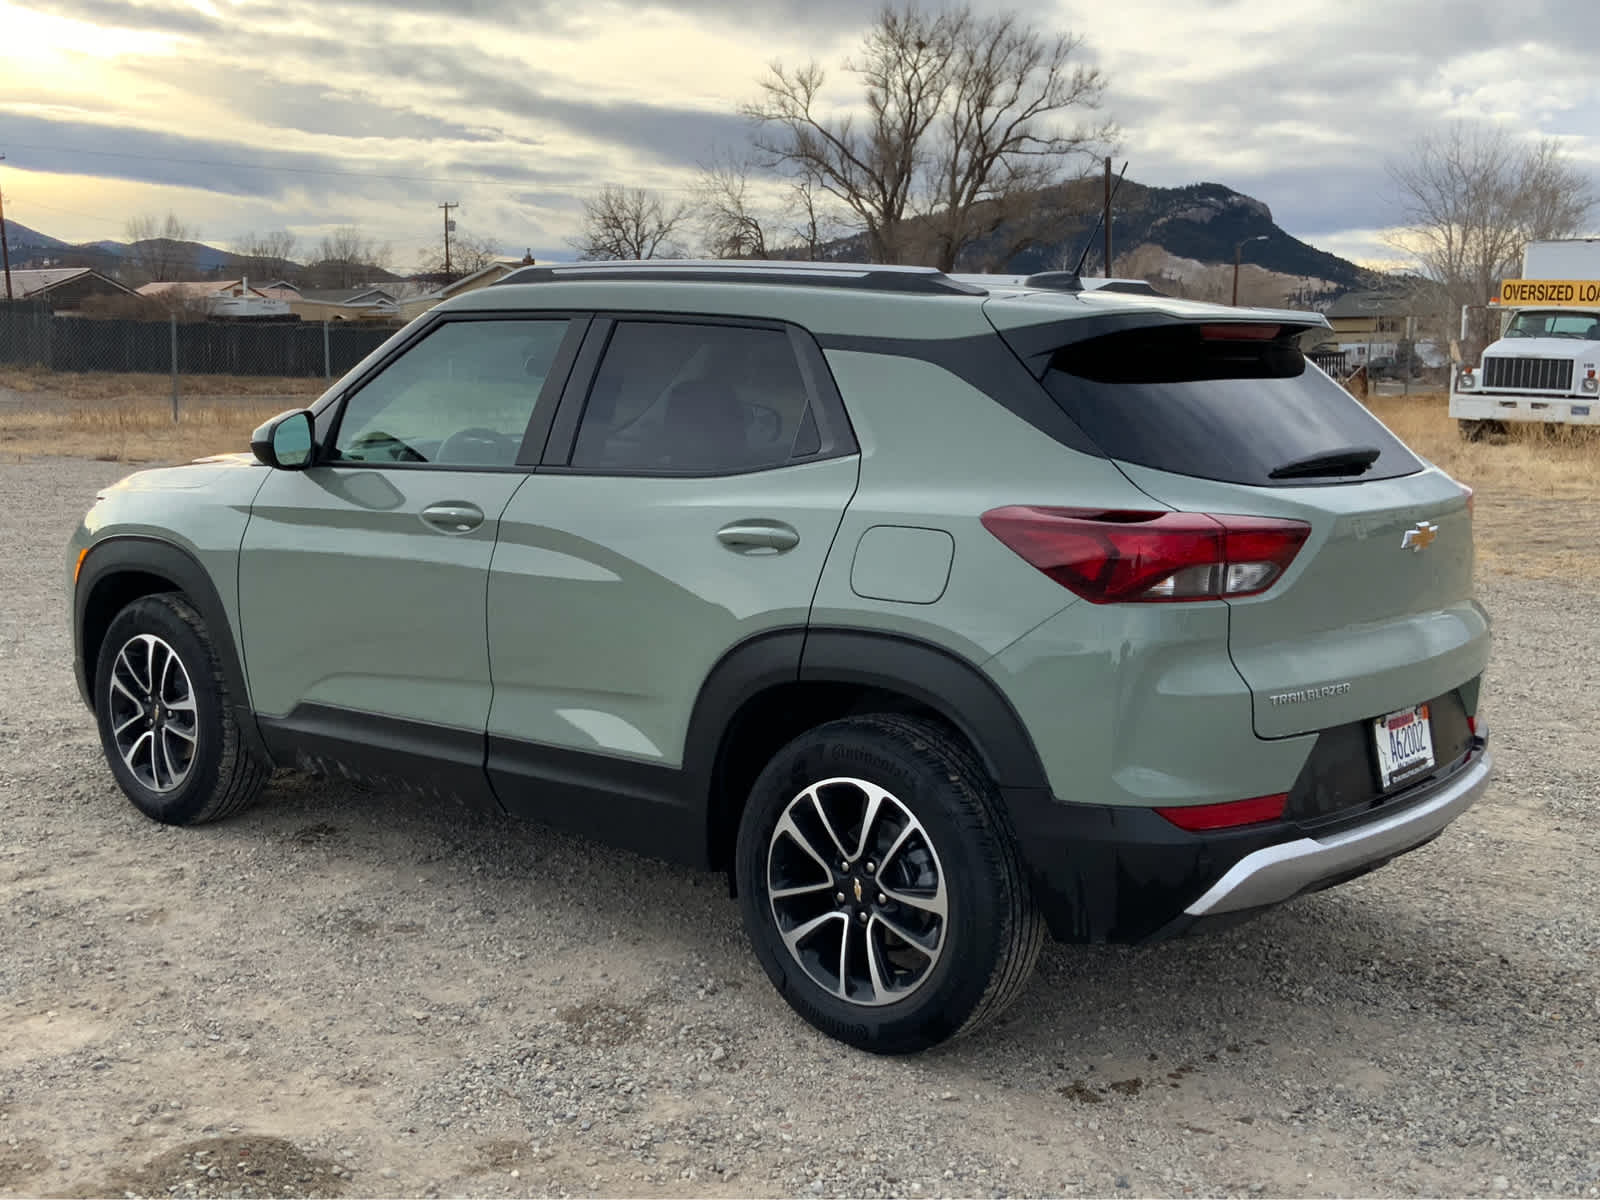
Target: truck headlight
(1590, 385)
(1466, 381)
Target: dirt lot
(344, 992)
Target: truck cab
(1543, 368)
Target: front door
(362, 581)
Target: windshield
(1580, 326)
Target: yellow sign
(1585, 292)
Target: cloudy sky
(309, 114)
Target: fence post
(174, 368)
(327, 356)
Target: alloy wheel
(857, 891)
(153, 718)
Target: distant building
(220, 298)
(493, 273)
(63, 288)
(370, 303)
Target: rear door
(1376, 612)
(696, 476)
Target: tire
(175, 752)
(940, 830)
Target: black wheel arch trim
(124, 554)
(920, 671)
(942, 681)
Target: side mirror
(286, 442)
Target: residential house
(483, 277)
(63, 288)
(369, 303)
(219, 298)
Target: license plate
(1405, 744)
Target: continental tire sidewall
(939, 1008)
(170, 622)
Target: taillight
(1468, 491)
(1230, 815)
(1114, 556)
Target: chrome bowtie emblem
(1419, 538)
(858, 891)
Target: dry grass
(128, 418)
(1537, 489)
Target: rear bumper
(1277, 873)
(1118, 874)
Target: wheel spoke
(159, 685)
(838, 843)
(844, 958)
(915, 941)
(118, 685)
(879, 987)
(805, 929)
(896, 846)
(128, 724)
(787, 826)
(803, 890)
(934, 904)
(874, 803)
(187, 735)
(132, 752)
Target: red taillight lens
(1111, 557)
(1199, 817)
(1468, 491)
(1239, 332)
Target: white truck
(1544, 366)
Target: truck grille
(1546, 374)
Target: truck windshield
(1581, 326)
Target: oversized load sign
(1584, 292)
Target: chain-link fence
(191, 353)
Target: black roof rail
(860, 276)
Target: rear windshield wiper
(1350, 460)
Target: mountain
(1181, 239)
(24, 242)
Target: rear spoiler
(1036, 345)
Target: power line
(215, 162)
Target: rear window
(1176, 400)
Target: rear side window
(1221, 408)
(679, 398)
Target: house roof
(197, 287)
(40, 282)
(355, 295)
(1353, 305)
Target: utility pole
(1238, 251)
(449, 226)
(1107, 216)
(5, 249)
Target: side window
(696, 399)
(460, 397)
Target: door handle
(758, 537)
(453, 516)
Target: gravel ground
(344, 992)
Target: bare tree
(965, 117)
(160, 249)
(815, 219)
(348, 258)
(733, 222)
(1471, 198)
(266, 256)
(630, 223)
(1000, 138)
(468, 253)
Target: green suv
(940, 613)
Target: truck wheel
(880, 885)
(166, 722)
